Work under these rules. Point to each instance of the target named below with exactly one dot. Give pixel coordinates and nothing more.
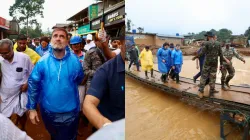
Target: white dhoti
(81, 90)
(11, 102)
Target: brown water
(152, 114)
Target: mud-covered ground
(38, 132)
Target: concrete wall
(144, 39)
(161, 40)
(153, 40)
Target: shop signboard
(96, 24)
(115, 16)
(93, 11)
(84, 29)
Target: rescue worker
(16, 68)
(133, 54)
(163, 61)
(44, 47)
(177, 61)
(21, 46)
(212, 50)
(75, 43)
(147, 64)
(228, 52)
(53, 84)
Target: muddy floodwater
(152, 114)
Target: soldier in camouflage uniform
(212, 50)
(228, 52)
(93, 60)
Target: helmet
(75, 40)
(84, 37)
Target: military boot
(212, 92)
(201, 92)
(146, 74)
(223, 85)
(227, 82)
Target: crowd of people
(65, 79)
(169, 58)
(170, 61)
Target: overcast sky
(183, 16)
(55, 11)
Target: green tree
(214, 31)
(140, 29)
(200, 35)
(33, 32)
(26, 11)
(224, 34)
(128, 25)
(247, 34)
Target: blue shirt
(108, 85)
(42, 51)
(202, 58)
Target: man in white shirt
(16, 68)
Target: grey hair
(6, 41)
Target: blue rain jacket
(163, 54)
(170, 64)
(53, 83)
(42, 51)
(177, 57)
(177, 69)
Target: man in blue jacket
(53, 84)
(177, 61)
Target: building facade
(113, 17)
(155, 39)
(4, 28)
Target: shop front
(85, 29)
(113, 21)
(4, 27)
